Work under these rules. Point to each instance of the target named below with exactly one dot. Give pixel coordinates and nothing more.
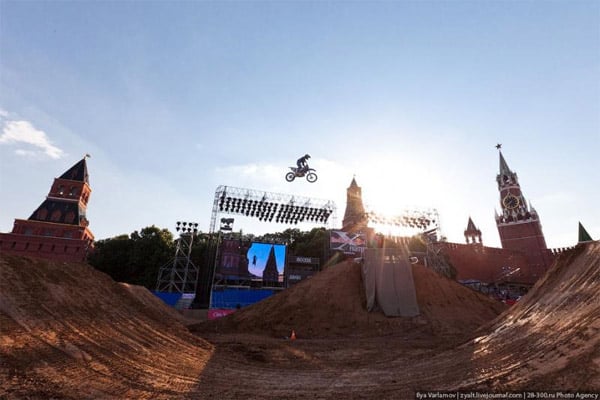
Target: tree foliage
(138, 257)
(301, 243)
(135, 258)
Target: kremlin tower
(355, 219)
(518, 223)
(58, 228)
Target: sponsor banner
(296, 275)
(219, 312)
(303, 260)
(347, 243)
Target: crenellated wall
(490, 264)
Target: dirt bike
(310, 174)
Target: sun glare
(392, 188)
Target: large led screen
(266, 261)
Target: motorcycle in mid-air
(310, 174)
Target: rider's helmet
(307, 155)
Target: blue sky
(172, 99)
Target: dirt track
(67, 331)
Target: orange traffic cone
(293, 335)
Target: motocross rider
(303, 163)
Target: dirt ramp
(551, 338)
(332, 304)
(68, 331)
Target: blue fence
(232, 298)
(169, 298)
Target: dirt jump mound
(332, 304)
(549, 341)
(68, 331)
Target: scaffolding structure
(419, 219)
(266, 207)
(271, 207)
(180, 275)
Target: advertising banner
(347, 243)
(300, 268)
(219, 312)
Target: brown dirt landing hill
(68, 331)
(549, 341)
(551, 338)
(332, 304)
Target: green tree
(112, 257)
(417, 244)
(152, 248)
(136, 258)
(311, 244)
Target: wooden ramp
(389, 283)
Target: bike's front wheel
(290, 176)
(311, 177)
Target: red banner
(219, 312)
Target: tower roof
(77, 172)
(353, 183)
(471, 226)
(583, 235)
(504, 170)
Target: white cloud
(264, 172)
(26, 153)
(23, 132)
(3, 113)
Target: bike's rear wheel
(311, 177)
(290, 176)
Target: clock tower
(518, 223)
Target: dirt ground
(70, 332)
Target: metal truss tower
(180, 275)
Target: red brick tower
(58, 228)
(519, 224)
(355, 219)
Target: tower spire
(472, 234)
(504, 170)
(583, 235)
